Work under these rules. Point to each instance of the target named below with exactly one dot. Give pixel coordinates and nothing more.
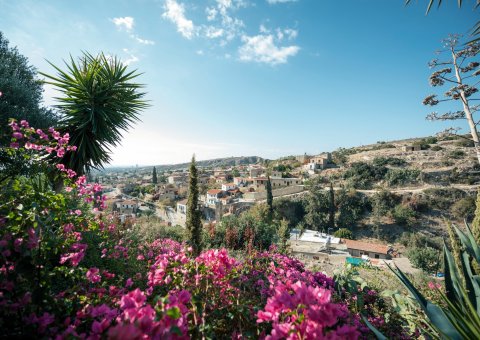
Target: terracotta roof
(184, 201)
(369, 247)
(214, 191)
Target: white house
(214, 195)
(229, 186)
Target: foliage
(362, 175)
(425, 258)
(194, 221)
(464, 208)
(99, 101)
(21, 92)
(331, 207)
(456, 154)
(268, 188)
(350, 206)
(393, 161)
(397, 177)
(291, 210)
(344, 233)
(154, 176)
(443, 198)
(316, 207)
(404, 215)
(436, 148)
(464, 143)
(283, 235)
(459, 317)
(383, 202)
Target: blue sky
(268, 77)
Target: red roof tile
(369, 247)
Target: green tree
(269, 197)
(316, 207)
(21, 92)
(476, 220)
(331, 207)
(283, 235)
(344, 233)
(99, 101)
(350, 206)
(194, 221)
(425, 258)
(154, 176)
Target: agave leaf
(375, 331)
(453, 283)
(436, 315)
(468, 241)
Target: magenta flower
(93, 275)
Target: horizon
(264, 78)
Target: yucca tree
(99, 101)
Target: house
(239, 181)
(177, 179)
(229, 186)
(261, 182)
(182, 207)
(214, 195)
(276, 174)
(256, 171)
(412, 147)
(319, 162)
(374, 251)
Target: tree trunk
(466, 109)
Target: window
(377, 256)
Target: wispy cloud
(264, 48)
(175, 12)
(127, 24)
(131, 57)
(273, 2)
(124, 23)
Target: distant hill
(217, 162)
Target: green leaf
(174, 313)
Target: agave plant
(98, 102)
(460, 318)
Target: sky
(268, 78)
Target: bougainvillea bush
(68, 270)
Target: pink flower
(17, 135)
(93, 275)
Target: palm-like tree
(99, 101)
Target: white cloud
(131, 57)
(143, 41)
(273, 2)
(263, 49)
(211, 13)
(213, 32)
(175, 12)
(200, 52)
(127, 24)
(124, 23)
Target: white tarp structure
(313, 236)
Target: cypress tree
(194, 221)
(269, 197)
(154, 176)
(331, 208)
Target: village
(232, 190)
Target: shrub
(362, 175)
(350, 207)
(396, 177)
(436, 148)
(344, 233)
(464, 143)
(430, 140)
(464, 208)
(403, 215)
(425, 258)
(456, 154)
(383, 202)
(382, 161)
(443, 198)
